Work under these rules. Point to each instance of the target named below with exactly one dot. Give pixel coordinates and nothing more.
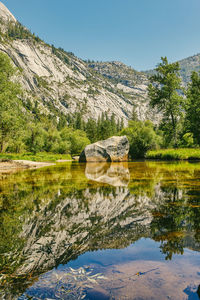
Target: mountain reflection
(51, 216)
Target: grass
(41, 156)
(174, 154)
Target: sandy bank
(13, 165)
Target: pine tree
(91, 130)
(164, 95)
(134, 116)
(193, 107)
(10, 105)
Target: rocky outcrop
(5, 14)
(60, 82)
(115, 148)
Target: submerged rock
(115, 148)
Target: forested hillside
(55, 102)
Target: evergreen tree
(118, 125)
(62, 122)
(10, 105)
(78, 121)
(134, 116)
(122, 124)
(113, 125)
(35, 137)
(91, 130)
(164, 95)
(193, 107)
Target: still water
(101, 231)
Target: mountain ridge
(187, 66)
(58, 82)
(6, 14)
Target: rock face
(58, 81)
(5, 14)
(115, 148)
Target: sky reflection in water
(101, 231)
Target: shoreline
(9, 166)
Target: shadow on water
(192, 292)
(51, 216)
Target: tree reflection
(53, 215)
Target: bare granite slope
(59, 81)
(5, 14)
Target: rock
(115, 148)
(61, 80)
(76, 158)
(5, 14)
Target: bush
(188, 140)
(142, 138)
(77, 139)
(62, 148)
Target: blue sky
(136, 32)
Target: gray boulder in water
(115, 148)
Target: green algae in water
(54, 216)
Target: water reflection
(51, 216)
(115, 174)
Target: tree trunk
(174, 131)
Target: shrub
(77, 139)
(142, 138)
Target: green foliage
(101, 129)
(18, 31)
(52, 198)
(42, 83)
(175, 154)
(134, 116)
(35, 138)
(21, 132)
(62, 122)
(188, 140)
(11, 117)
(192, 120)
(142, 137)
(61, 54)
(91, 130)
(164, 93)
(40, 156)
(77, 140)
(107, 127)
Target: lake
(101, 231)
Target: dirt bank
(7, 166)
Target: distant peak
(5, 14)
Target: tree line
(179, 106)
(23, 128)
(179, 110)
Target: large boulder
(115, 148)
